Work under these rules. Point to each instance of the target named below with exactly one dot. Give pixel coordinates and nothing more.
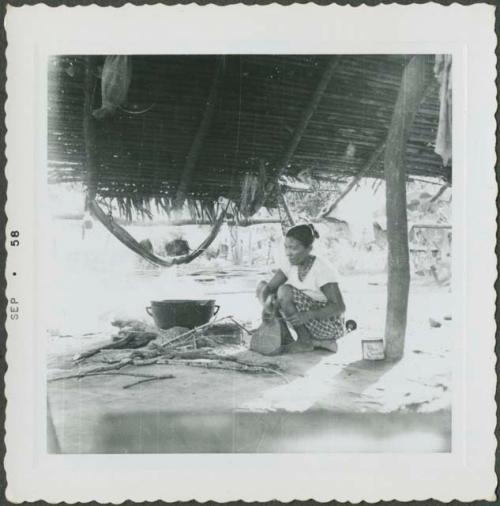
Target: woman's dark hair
(305, 234)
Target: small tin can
(373, 349)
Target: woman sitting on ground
(308, 294)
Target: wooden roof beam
(307, 113)
(301, 128)
(374, 158)
(200, 135)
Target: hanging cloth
(115, 81)
(442, 72)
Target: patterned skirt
(325, 329)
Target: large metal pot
(182, 313)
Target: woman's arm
(335, 305)
(266, 289)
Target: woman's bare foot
(325, 345)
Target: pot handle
(148, 310)
(216, 310)
(351, 325)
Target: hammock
(125, 238)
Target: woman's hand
(265, 289)
(271, 305)
(299, 318)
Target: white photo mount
(467, 472)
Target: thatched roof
(259, 102)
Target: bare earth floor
(323, 403)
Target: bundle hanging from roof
(116, 76)
(253, 191)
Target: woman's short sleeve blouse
(321, 273)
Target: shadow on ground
(278, 432)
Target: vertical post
(410, 95)
(89, 133)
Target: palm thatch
(194, 126)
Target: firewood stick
(147, 361)
(105, 368)
(112, 367)
(114, 345)
(194, 354)
(215, 364)
(102, 373)
(195, 330)
(239, 325)
(166, 376)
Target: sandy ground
(341, 384)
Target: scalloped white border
(468, 32)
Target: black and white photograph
(250, 253)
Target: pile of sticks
(141, 345)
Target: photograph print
(249, 253)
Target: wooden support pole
(440, 192)
(411, 92)
(435, 226)
(368, 165)
(200, 135)
(176, 223)
(230, 222)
